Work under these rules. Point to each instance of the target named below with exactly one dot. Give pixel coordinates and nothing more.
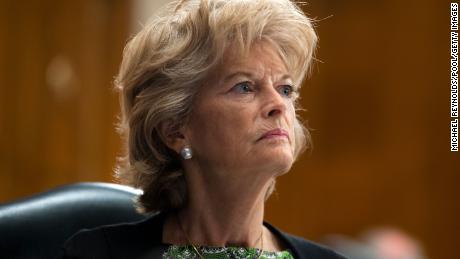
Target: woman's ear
(170, 133)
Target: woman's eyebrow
(252, 76)
(286, 77)
(237, 74)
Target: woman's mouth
(275, 133)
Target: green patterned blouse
(188, 252)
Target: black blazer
(135, 240)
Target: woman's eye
(243, 88)
(286, 90)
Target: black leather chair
(36, 227)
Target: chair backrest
(36, 227)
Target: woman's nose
(274, 104)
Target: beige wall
(57, 108)
(143, 9)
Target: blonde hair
(164, 64)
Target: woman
(208, 95)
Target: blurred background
(378, 102)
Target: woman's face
(243, 118)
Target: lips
(276, 133)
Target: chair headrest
(37, 226)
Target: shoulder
(111, 241)
(304, 249)
(310, 249)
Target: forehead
(261, 57)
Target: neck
(221, 212)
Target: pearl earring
(186, 153)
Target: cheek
(218, 126)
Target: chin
(279, 164)
(283, 169)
